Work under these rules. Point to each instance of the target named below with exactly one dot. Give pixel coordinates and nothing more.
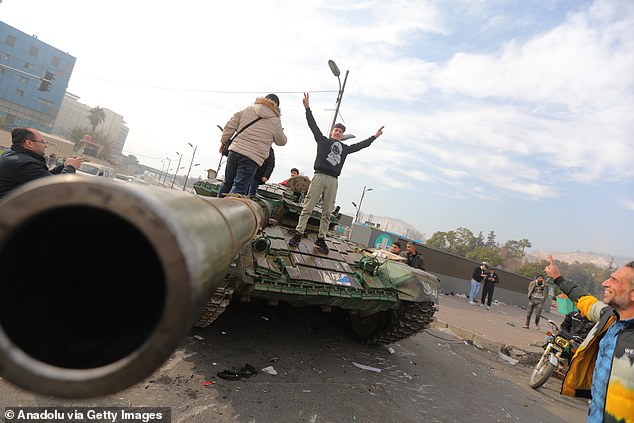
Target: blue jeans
(238, 174)
(253, 188)
(475, 287)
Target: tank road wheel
(363, 326)
(214, 307)
(393, 325)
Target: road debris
(364, 367)
(270, 370)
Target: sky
(505, 116)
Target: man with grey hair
(603, 366)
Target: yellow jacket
(619, 404)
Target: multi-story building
(33, 80)
(73, 114)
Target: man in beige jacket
(250, 147)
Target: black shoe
(321, 244)
(294, 242)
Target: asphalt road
(432, 377)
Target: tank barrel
(101, 280)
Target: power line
(197, 90)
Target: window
(10, 41)
(5, 56)
(24, 80)
(19, 92)
(28, 65)
(55, 61)
(34, 51)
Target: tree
(523, 244)
(458, 242)
(513, 249)
(490, 255)
(490, 242)
(480, 240)
(439, 241)
(96, 116)
(531, 269)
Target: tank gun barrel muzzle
(101, 280)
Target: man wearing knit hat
(255, 129)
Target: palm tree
(96, 116)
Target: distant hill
(598, 259)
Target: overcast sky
(505, 116)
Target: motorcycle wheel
(542, 371)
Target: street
(432, 377)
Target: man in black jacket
(25, 160)
(414, 258)
(263, 173)
(331, 155)
(576, 324)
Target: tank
(103, 279)
(373, 294)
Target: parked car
(95, 169)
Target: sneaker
(471, 302)
(321, 244)
(294, 242)
(525, 326)
(488, 307)
(537, 327)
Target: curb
(526, 355)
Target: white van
(95, 169)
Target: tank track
(214, 307)
(407, 320)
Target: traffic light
(45, 81)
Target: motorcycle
(559, 348)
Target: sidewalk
(498, 329)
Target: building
(73, 114)
(33, 80)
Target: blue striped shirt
(601, 373)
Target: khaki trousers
(324, 186)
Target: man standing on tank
(331, 155)
(250, 148)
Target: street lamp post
(336, 72)
(195, 147)
(180, 156)
(169, 163)
(162, 170)
(356, 218)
